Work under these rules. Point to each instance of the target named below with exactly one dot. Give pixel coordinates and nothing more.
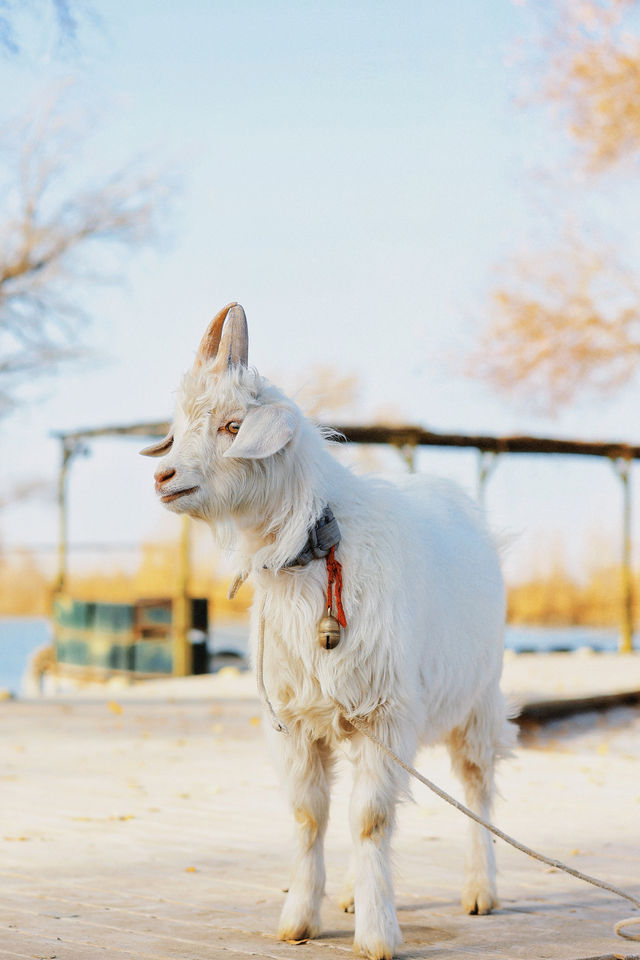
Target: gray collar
(324, 534)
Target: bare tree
(47, 240)
(63, 11)
(28, 490)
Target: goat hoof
(300, 919)
(298, 934)
(346, 902)
(479, 901)
(374, 951)
(380, 945)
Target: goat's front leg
(377, 783)
(307, 766)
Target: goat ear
(158, 449)
(264, 431)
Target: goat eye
(232, 427)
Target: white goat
(420, 658)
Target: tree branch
(46, 247)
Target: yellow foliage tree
(568, 319)
(561, 322)
(593, 76)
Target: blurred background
(430, 214)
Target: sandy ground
(147, 823)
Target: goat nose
(161, 476)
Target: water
(20, 636)
(229, 637)
(233, 637)
(546, 639)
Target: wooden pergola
(406, 439)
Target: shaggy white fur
(420, 658)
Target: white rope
(262, 690)
(360, 725)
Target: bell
(328, 632)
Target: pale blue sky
(353, 173)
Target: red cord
(334, 574)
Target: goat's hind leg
(307, 767)
(474, 750)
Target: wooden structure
(177, 655)
(406, 439)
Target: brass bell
(328, 632)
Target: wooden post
(69, 449)
(408, 453)
(623, 469)
(182, 665)
(487, 462)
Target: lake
(20, 636)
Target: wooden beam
(412, 436)
(541, 711)
(154, 429)
(509, 444)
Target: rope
(362, 727)
(262, 690)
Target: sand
(148, 823)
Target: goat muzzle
(163, 476)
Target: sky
(355, 174)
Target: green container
(150, 656)
(72, 650)
(114, 617)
